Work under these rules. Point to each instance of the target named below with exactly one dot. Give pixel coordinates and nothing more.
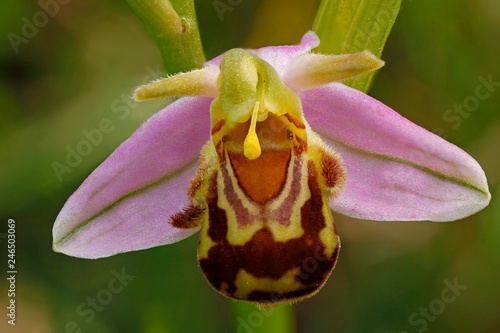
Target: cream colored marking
(206, 242)
(262, 215)
(247, 283)
(327, 234)
(294, 230)
(236, 233)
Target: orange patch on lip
(262, 179)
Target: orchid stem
(174, 27)
(265, 319)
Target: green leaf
(350, 26)
(174, 27)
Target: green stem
(249, 318)
(173, 26)
(350, 26)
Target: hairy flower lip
(105, 217)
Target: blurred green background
(81, 66)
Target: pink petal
(396, 170)
(126, 203)
(280, 56)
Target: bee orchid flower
(262, 147)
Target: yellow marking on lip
(263, 214)
(294, 229)
(246, 283)
(328, 235)
(205, 243)
(236, 233)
